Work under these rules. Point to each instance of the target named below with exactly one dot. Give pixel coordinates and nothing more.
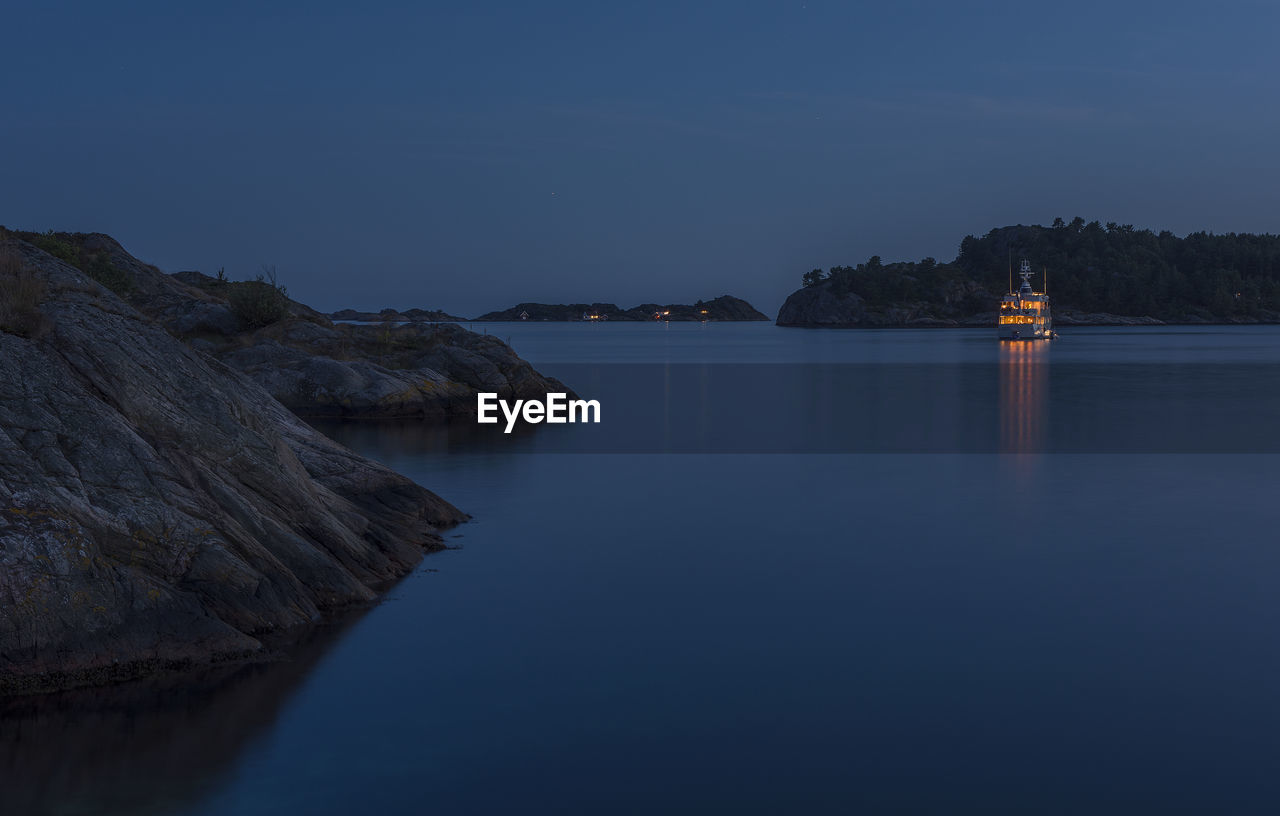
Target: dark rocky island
(725, 307)
(162, 507)
(397, 316)
(1112, 275)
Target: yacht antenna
(1024, 271)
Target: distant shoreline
(855, 327)
(725, 308)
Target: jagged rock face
(417, 371)
(317, 368)
(157, 506)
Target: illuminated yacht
(1024, 314)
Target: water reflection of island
(1024, 383)
(151, 745)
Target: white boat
(1024, 314)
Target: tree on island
(1114, 268)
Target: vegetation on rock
(258, 302)
(70, 247)
(20, 294)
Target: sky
(469, 156)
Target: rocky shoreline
(162, 506)
(821, 307)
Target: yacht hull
(1024, 333)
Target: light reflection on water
(1024, 397)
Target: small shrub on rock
(100, 268)
(260, 302)
(58, 246)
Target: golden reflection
(1024, 382)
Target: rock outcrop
(415, 371)
(725, 307)
(157, 506)
(313, 366)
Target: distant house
(524, 315)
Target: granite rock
(158, 507)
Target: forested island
(1097, 275)
(725, 307)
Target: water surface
(1005, 618)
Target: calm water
(988, 613)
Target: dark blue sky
(469, 156)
